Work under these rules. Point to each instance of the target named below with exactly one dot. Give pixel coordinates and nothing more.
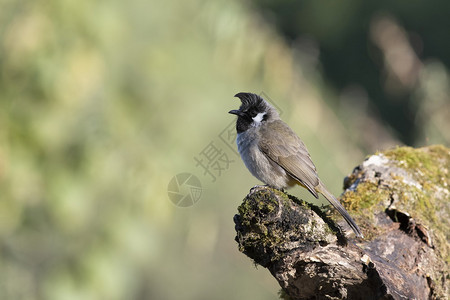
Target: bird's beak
(236, 112)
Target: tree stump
(401, 200)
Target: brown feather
(288, 151)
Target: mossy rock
(271, 223)
(412, 187)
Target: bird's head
(253, 112)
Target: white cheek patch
(258, 118)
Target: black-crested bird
(274, 154)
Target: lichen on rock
(399, 198)
(271, 223)
(412, 187)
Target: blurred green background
(102, 103)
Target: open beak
(237, 112)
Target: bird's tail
(323, 190)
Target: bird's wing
(286, 149)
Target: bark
(399, 198)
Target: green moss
(423, 162)
(264, 201)
(363, 204)
(366, 196)
(427, 166)
(332, 228)
(418, 195)
(269, 220)
(253, 211)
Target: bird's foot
(259, 186)
(267, 186)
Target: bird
(275, 155)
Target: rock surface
(399, 198)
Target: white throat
(258, 118)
